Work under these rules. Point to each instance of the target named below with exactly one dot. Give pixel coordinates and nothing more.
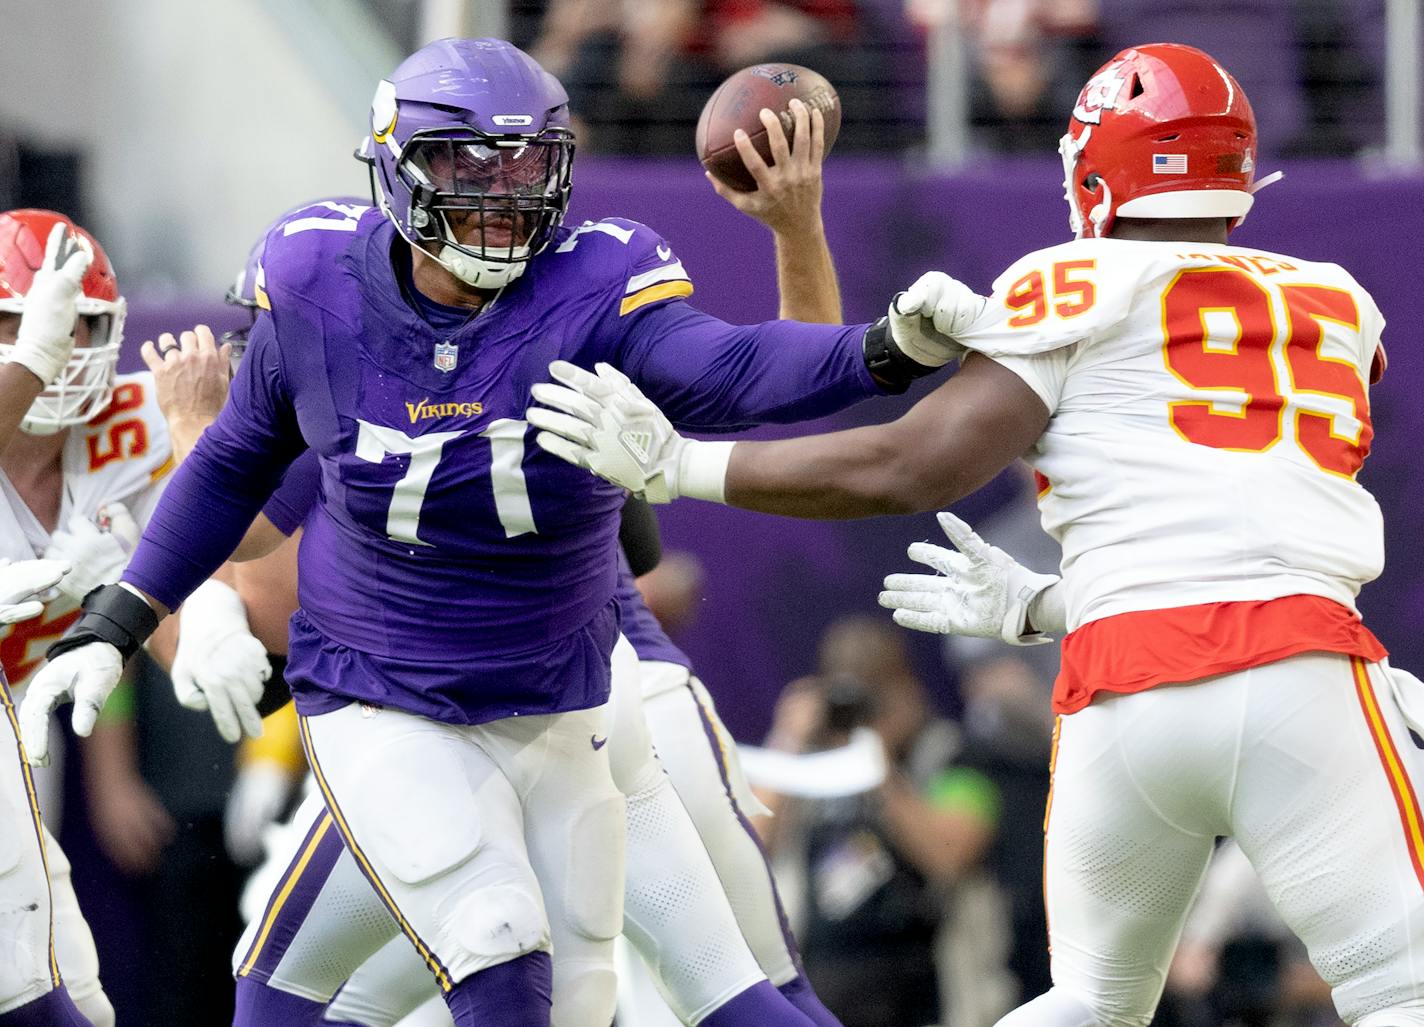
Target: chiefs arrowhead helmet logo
(1100, 94)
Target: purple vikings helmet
(472, 130)
(245, 288)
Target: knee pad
(585, 998)
(593, 905)
(498, 923)
(97, 1007)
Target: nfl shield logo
(445, 356)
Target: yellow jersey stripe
(163, 468)
(259, 289)
(653, 293)
(1399, 784)
(442, 976)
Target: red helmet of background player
(86, 384)
(1161, 131)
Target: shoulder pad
(1056, 297)
(633, 263)
(129, 438)
(301, 247)
(643, 267)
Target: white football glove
(46, 334)
(87, 675)
(21, 583)
(603, 423)
(219, 666)
(259, 795)
(979, 590)
(98, 554)
(928, 317)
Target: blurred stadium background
(176, 129)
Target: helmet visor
(489, 200)
(472, 170)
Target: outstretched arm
(947, 445)
(712, 376)
(944, 447)
(708, 375)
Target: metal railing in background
(1329, 77)
(1403, 46)
(946, 88)
(1356, 88)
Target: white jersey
(123, 455)
(1209, 413)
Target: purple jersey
(297, 494)
(452, 568)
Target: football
(737, 104)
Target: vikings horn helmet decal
(470, 154)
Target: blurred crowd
(638, 73)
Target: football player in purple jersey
(310, 949)
(451, 657)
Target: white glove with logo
(219, 666)
(602, 422)
(87, 675)
(98, 553)
(46, 334)
(927, 318)
(979, 590)
(21, 583)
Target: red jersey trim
(1133, 652)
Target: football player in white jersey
(32, 988)
(81, 468)
(1196, 413)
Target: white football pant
(322, 921)
(1308, 764)
(35, 885)
(485, 842)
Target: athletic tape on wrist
(702, 470)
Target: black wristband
(891, 369)
(112, 614)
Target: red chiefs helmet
(1161, 131)
(86, 384)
